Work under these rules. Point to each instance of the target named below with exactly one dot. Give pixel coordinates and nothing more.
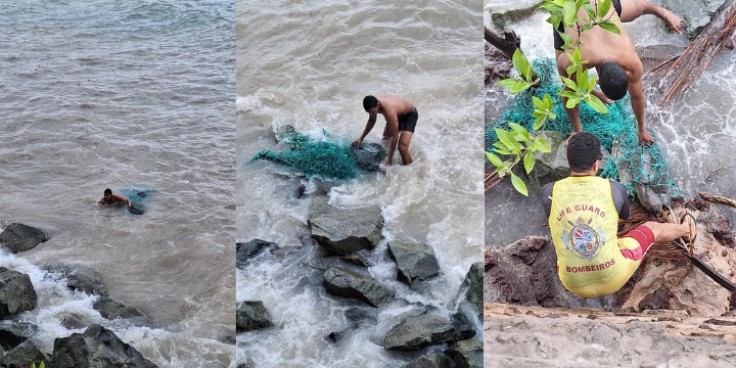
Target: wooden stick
(508, 44)
(717, 199)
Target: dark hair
(108, 191)
(613, 80)
(583, 150)
(369, 102)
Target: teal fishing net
(137, 196)
(323, 157)
(634, 165)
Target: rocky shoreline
(342, 243)
(97, 346)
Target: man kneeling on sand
(583, 212)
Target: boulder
(464, 328)
(79, 277)
(525, 273)
(504, 12)
(113, 309)
(20, 238)
(245, 251)
(467, 354)
(251, 316)
(471, 290)
(23, 355)
(344, 231)
(16, 293)
(418, 332)
(497, 67)
(415, 262)
(434, 361)
(696, 14)
(355, 285)
(649, 199)
(72, 323)
(369, 156)
(357, 316)
(13, 333)
(97, 347)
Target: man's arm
(119, 198)
(547, 198)
(620, 200)
(368, 127)
(574, 114)
(638, 103)
(392, 122)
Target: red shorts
(644, 237)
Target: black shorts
(561, 29)
(408, 122)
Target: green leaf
(597, 105)
(521, 132)
(508, 140)
(495, 160)
(539, 123)
(548, 102)
(569, 84)
(604, 6)
(572, 102)
(529, 160)
(538, 103)
(519, 185)
(521, 64)
(589, 10)
(610, 27)
(570, 13)
(543, 145)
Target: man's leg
(632, 9)
(665, 233)
(404, 140)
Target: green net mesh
(635, 165)
(323, 157)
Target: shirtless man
(401, 118)
(614, 57)
(110, 198)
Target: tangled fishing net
(634, 165)
(323, 157)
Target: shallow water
(695, 131)
(115, 94)
(310, 65)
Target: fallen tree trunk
(691, 64)
(508, 43)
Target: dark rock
(512, 11)
(467, 354)
(358, 316)
(355, 285)
(344, 231)
(358, 259)
(97, 347)
(525, 272)
(335, 337)
(497, 65)
(649, 199)
(251, 316)
(464, 328)
(471, 290)
(434, 361)
(79, 277)
(23, 355)
(16, 293)
(696, 14)
(72, 323)
(20, 238)
(13, 333)
(112, 309)
(414, 261)
(246, 251)
(369, 156)
(418, 332)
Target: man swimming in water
(614, 57)
(112, 198)
(401, 118)
(583, 212)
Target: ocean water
(696, 131)
(119, 94)
(309, 64)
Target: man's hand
(644, 137)
(389, 161)
(358, 142)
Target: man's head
(614, 81)
(108, 193)
(583, 150)
(369, 103)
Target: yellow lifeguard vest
(583, 223)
